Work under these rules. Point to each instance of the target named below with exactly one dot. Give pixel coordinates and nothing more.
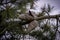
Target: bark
(47, 17)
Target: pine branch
(30, 20)
(38, 18)
(47, 17)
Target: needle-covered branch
(37, 18)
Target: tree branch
(37, 18)
(47, 17)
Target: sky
(55, 3)
(41, 3)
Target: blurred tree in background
(11, 24)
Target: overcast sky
(55, 3)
